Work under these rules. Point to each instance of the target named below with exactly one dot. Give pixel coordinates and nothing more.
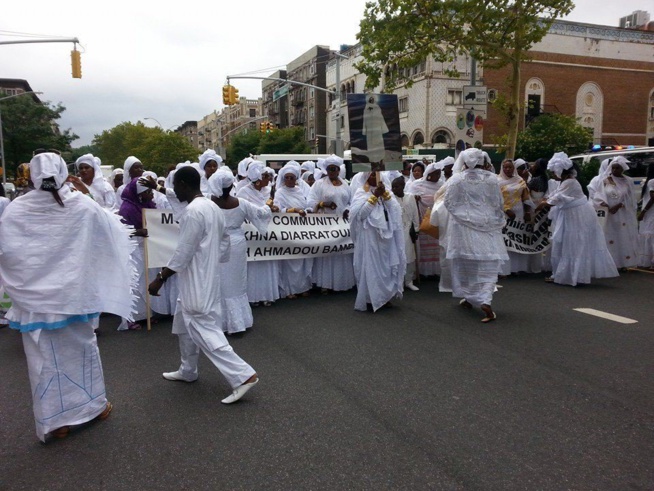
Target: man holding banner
(197, 320)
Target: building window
(403, 104)
(454, 97)
(405, 141)
(253, 113)
(418, 139)
(441, 137)
(312, 133)
(651, 106)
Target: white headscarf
(291, 164)
(472, 157)
(219, 180)
(114, 173)
(182, 164)
(308, 166)
(620, 160)
(255, 170)
(558, 163)
(446, 161)
(210, 155)
(129, 162)
(243, 166)
(45, 165)
(93, 162)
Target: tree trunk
(514, 108)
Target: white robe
(379, 256)
(333, 272)
(646, 230)
(409, 217)
(579, 250)
(474, 234)
(428, 247)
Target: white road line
(606, 315)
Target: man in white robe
(378, 235)
(197, 321)
(474, 237)
(410, 218)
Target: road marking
(606, 315)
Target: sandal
(490, 315)
(549, 279)
(267, 304)
(62, 432)
(291, 296)
(133, 326)
(465, 304)
(104, 414)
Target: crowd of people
(211, 288)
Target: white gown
(333, 272)
(579, 250)
(647, 230)
(237, 314)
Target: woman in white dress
(236, 311)
(331, 194)
(88, 168)
(424, 189)
(295, 274)
(646, 218)
(210, 162)
(516, 206)
(263, 276)
(579, 251)
(615, 193)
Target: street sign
(281, 92)
(475, 96)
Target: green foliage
(286, 140)
(157, 149)
(28, 125)
(588, 171)
(77, 152)
(496, 33)
(551, 133)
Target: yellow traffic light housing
(76, 63)
(234, 95)
(271, 126)
(226, 94)
(262, 127)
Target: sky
(146, 60)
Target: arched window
(441, 137)
(405, 141)
(418, 138)
(534, 98)
(590, 106)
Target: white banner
(289, 236)
(528, 238)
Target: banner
(375, 139)
(469, 129)
(289, 236)
(527, 238)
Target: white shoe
(411, 287)
(239, 392)
(176, 377)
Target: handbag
(426, 226)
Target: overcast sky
(170, 62)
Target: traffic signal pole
(75, 58)
(338, 143)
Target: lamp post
(2, 143)
(155, 120)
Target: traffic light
(317, 142)
(270, 127)
(234, 94)
(76, 63)
(262, 127)
(226, 94)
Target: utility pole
(75, 57)
(338, 143)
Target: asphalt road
(420, 396)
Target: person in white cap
(132, 169)
(202, 246)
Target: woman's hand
(140, 232)
(78, 184)
(148, 182)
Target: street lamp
(155, 120)
(2, 143)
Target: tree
(156, 148)
(28, 125)
(551, 133)
(286, 140)
(496, 33)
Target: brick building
(602, 75)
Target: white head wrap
(320, 169)
(333, 160)
(308, 166)
(93, 162)
(170, 179)
(196, 166)
(519, 163)
(243, 166)
(219, 180)
(114, 173)
(487, 158)
(341, 173)
(45, 165)
(129, 162)
(255, 170)
(558, 163)
(434, 166)
(472, 157)
(621, 161)
(305, 177)
(182, 164)
(290, 164)
(210, 155)
(446, 162)
(140, 188)
(149, 173)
